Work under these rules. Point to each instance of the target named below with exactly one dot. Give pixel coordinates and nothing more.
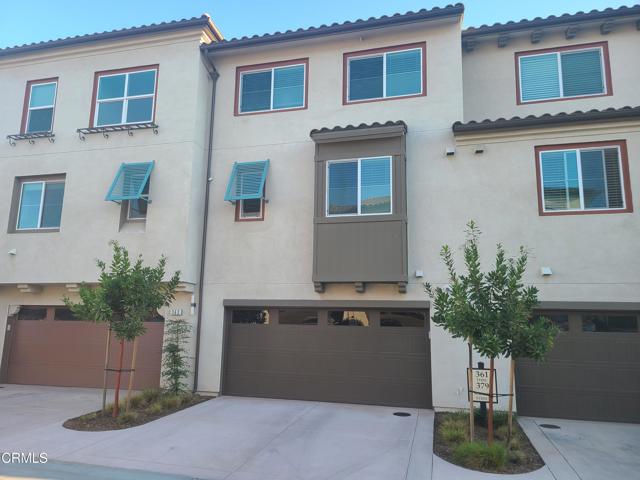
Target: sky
(30, 21)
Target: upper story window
(587, 178)
(246, 188)
(272, 87)
(359, 187)
(37, 203)
(39, 105)
(124, 96)
(562, 73)
(385, 73)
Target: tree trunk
(470, 382)
(116, 400)
(132, 372)
(106, 365)
(490, 416)
(512, 373)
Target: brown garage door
(593, 372)
(365, 356)
(48, 347)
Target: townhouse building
(107, 139)
(341, 159)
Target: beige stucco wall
(592, 256)
(88, 222)
(490, 78)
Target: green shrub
(454, 428)
(186, 398)
(500, 418)
(514, 444)
(501, 432)
(480, 456)
(169, 402)
(108, 409)
(151, 395)
(516, 456)
(155, 408)
(137, 401)
(127, 417)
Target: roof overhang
(548, 120)
(358, 132)
(271, 39)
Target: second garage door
(592, 373)
(48, 346)
(353, 356)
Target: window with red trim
(39, 106)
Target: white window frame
(44, 188)
(30, 108)
(558, 55)
(580, 187)
(384, 74)
(244, 217)
(125, 99)
(359, 199)
(273, 76)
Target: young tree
(126, 295)
(174, 364)
(493, 309)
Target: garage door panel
(589, 375)
(335, 363)
(71, 353)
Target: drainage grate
(402, 414)
(549, 425)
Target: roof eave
(336, 29)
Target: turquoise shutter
(404, 73)
(130, 181)
(582, 73)
(539, 77)
(288, 87)
(247, 181)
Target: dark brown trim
(6, 350)
(631, 307)
(251, 219)
(605, 61)
(362, 304)
(27, 98)
(624, 161)
(372, 51)
(265, 66)
(97, 75)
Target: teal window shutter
(582, 73)
(247, 181)
(539, 77)
(404, 73)
(130, 182)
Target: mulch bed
(100, 421)
(532, 460)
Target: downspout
(213, 73)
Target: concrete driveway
(227, 438)
(236, 438)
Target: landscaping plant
(174, 364)
(127, 293)
(492, 310)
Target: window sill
(127, 127)
(30, 137)
(586, 212)
(261, 112)
(403, 97)
(35, 230)
(563, 99)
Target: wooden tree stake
(116, 401)
(512, 373)
(490, 416)
(470, 381)
(106, 365)
(132, 372)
